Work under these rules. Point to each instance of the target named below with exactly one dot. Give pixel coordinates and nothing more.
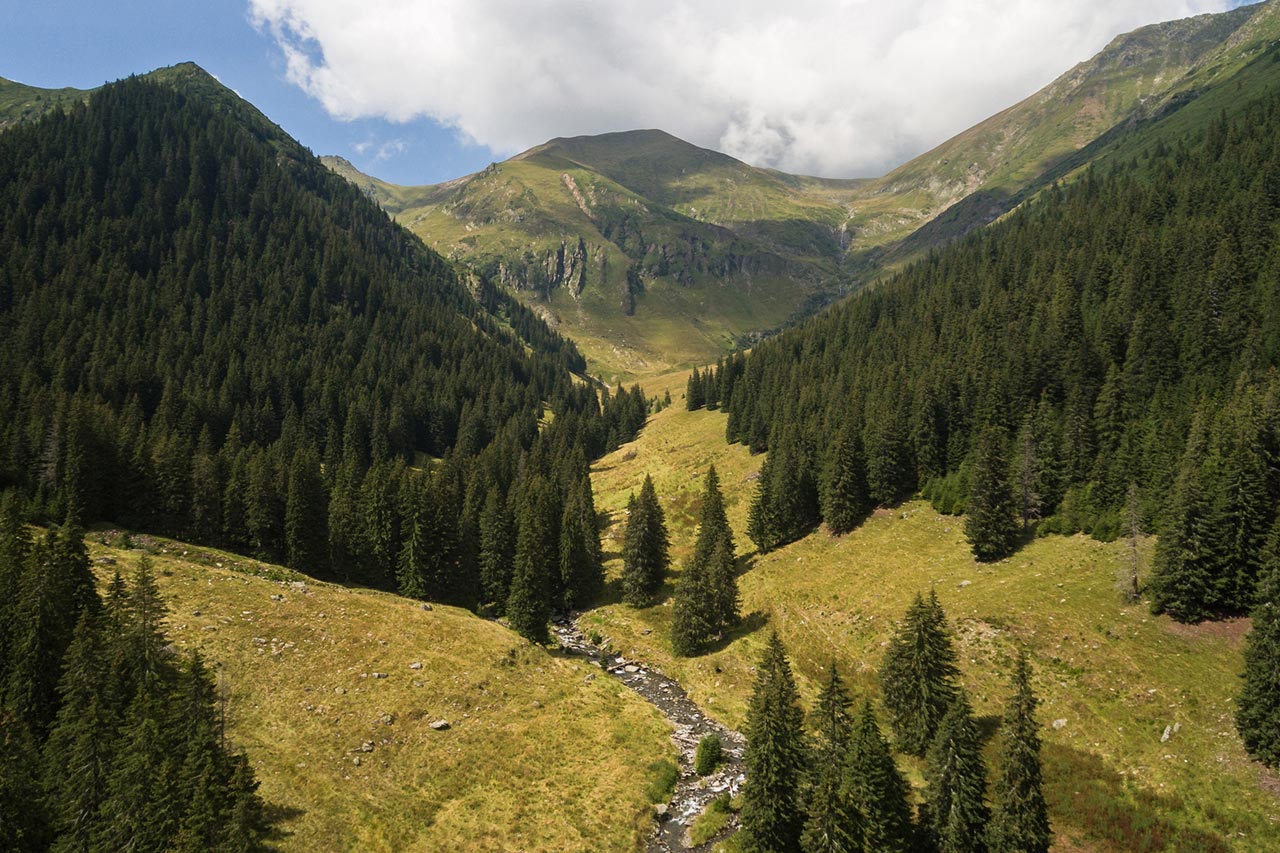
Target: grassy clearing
(1112, 674)
(540, 755)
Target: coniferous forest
(207, 334)
(1121, 331)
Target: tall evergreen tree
(876, 789)
(497, 550)
(832, 824)
(645, 548)
(955, 811)
(694, 397)
(306, 530)
(845, 498)
(1020, 818)
(581, 571)
(722, 585)
(693, 612)
(990, 522)
(774, 757)
(536, 556)
(785, 506)
(1258, 707)
(917, 678)
(713, 523)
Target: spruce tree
(990, 522)
(23, 822)
(832, 824)
(917, 678)
(306, 530)
(1020, 819)
(955, 811)
(581, 572)
(845, 499)
(645, 548)
(1258, 707)
(712, 521)
(722, 586)
(774, 757)
(536, 556)
(497, 550)
(693, 395)
(876, 789)
(693, 615)
(785, 507)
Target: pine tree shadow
(987, 726)
(748, 625)
(745, 563)
(276, 815)
(1089, 796)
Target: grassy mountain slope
(21, 103)
(650, 251)
(989, 165)
(539, 755)
(1115, 674)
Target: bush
(662, 784)
(708, 755)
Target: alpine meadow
(624, 494)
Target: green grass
(541, 754)
(1114, 673)
(714, 820)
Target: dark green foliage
(497, 550)
(189, 343)
(1089, 326)
(537, 556)
(694, 395)
(917, 677)
(875, 789)
(832, 824)
(785, 507)
(990, 522)
(706, 597)
(845, 496)
(645, 548)
(707, 756)
(1019, 818)
(134, 756)
(955, 812)
(775, 757)
(581, 569)
(1258, 707)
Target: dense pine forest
(112, 739)
(1105, 361)
(205, 333)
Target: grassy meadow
(1111, 677)
(541, 754)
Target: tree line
(112, 739)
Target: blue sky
(842, 88)
(55, 43)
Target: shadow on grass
(276, 815)
(1104, 807)
(749, 624)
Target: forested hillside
(205, 333)
(1104, 360)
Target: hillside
(1113, 674)
(655, 254)
(539, 754)
(991, 166)
(652, 253)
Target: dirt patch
(1231, 630)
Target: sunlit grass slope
(540, 754)
(1111, 676)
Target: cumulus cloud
(827, 87)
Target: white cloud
(830, 87)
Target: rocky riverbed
(693, 792)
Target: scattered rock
(379, 675)
(1059, 724)
(387, 719)
(105, 561)
(259, 641)
(646, 632)
(426, 607)
(439, 725)
(195, 612)
(591, 676)
(301, 586)
(356, 761)
(537, 704)
(340, 690)
(415, 665)
(367, 746)
(660, 810)
(209, 628)
(277, 598)
(963, 584)
(631, 668)
(418, 683)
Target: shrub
(708, 755)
